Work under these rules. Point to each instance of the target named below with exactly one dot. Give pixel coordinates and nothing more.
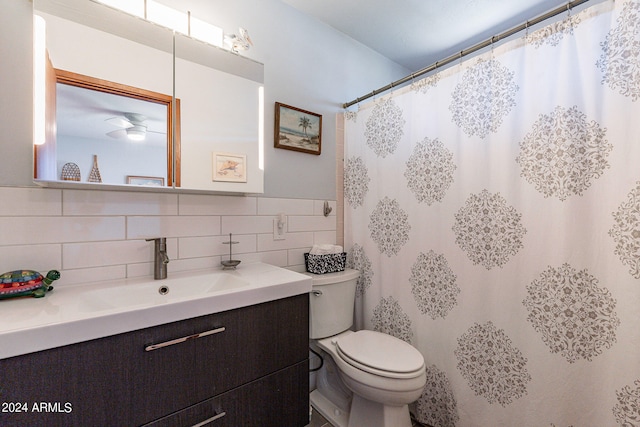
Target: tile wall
(99, 235)
(340, 179)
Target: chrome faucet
(161, 259)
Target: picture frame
(151, 181)
(229, 167)
(297, 129)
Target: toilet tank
(331, 302)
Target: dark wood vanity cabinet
(248, 367)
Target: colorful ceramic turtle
(26, 282)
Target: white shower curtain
(493, 210)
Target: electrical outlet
(280, 227)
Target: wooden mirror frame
(173, 112)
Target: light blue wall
(311, 66)
(307, 64)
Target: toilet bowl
(378, 375)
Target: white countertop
(71, 314)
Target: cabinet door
(85, 384)
(280, 399)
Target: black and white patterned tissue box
(328, 263)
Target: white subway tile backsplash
(88, 275)
(30, 201)
(278, 258)
(205, 204)
(140, 227)
(30, 257)
(197, 247)
(324, 237)
(142, 269)
(291, 240)
(188, 264)
(296, 256)
(247, 224)
(287, 206)
(57, 229)
(193, 247)
(96, 254)
(84, 202)
(99, 235)
(311, 223)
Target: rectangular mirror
(220, 113)
(215, 104)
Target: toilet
(366, 378)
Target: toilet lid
(380, 354)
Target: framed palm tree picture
(297, 129)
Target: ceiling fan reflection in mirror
(132, 126)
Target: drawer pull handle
(183, 339)
(208, 420)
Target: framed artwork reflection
(229, 167)
(153, 181)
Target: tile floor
(318, 420)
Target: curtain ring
(414, 85)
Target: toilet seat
(380, 354)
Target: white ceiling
(417, 33)
(84, 113)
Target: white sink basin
(71, 314)
(156, 292)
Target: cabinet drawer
(280, 399)
(256, 341)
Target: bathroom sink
(71, 314)
(156, 292)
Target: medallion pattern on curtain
(493, 211)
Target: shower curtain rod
(570, 5)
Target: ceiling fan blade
(118, 133)
(120, 122)
(135, 117)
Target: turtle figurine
(26, 282)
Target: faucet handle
(161, 242)
(160, 248)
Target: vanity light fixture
(261, 128)
(132, 7)
(158, 13)
(39, 80)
